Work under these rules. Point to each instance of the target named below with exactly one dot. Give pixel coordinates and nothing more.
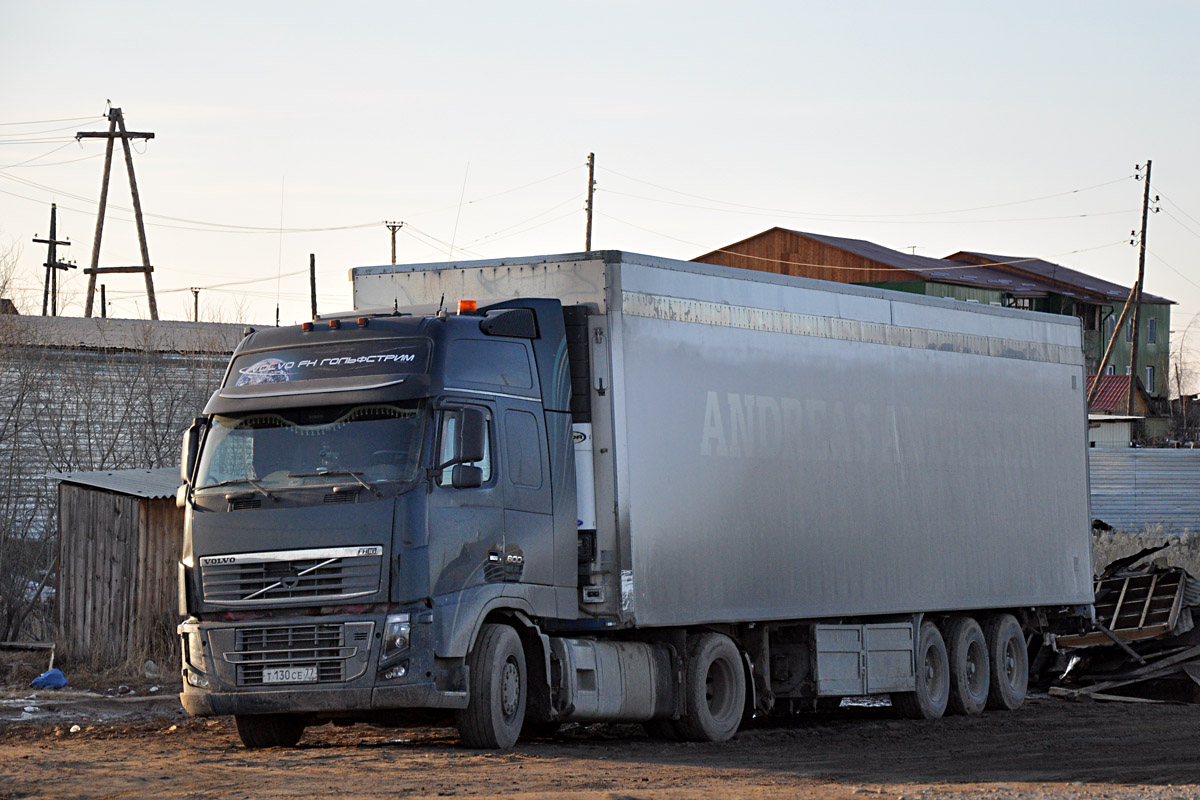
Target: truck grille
(336, 650)
(292, 577)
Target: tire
(495, 709)
(970, 670)
(932, 693)
(269, 730)
(714, 689)
(1010, 662)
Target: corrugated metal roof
(1136, 487)
(1114, 393)
(941, 269)
(159, 336)
(152, 484)
(1112, 292)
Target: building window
(1110, 370)
(1129, 330)
(1128, 369)
(1152, 330)
(1110, 324)
(1150, 380)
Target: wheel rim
(1010, 662)
(510, 688)
(976, 669)
(934, 679)
(718, 689)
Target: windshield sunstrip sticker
(349, 360)
(678, 309)
(292, 555)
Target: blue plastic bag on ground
(50, 679)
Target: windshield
(375, 445)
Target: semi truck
(611, 487)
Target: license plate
(290, 675)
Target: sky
(289, 129)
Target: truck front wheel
(714, 690)
(495, 708)
(269, 730)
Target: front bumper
(228, 667)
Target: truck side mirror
(191, 447)
(472, 430)
(464, 476)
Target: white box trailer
(770, 448)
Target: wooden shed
(120, 538)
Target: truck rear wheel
(269, 730)
(1010, 662)
(932, 693)
(970, 674)
(714, 689)
(495, 708)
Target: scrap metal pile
(1144, 645)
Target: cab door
(466, 525)
(528, 501)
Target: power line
(64, 119)
(38, 133)
(36, 158)
(950, 266)
(788, 212)
(876, 221)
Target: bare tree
(1183, 380)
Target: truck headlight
(395, 635)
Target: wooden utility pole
(1137, 300)
(312, 275)
(393, 227)
(587, 238)
(116, 130)
(53, 265)
(1117, 331)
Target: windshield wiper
(323, 472)
(233, 481)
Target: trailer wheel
(929, 699)
(714, 689)
(495, 708)
(970, 673)
(1010, 662)
(269, 730)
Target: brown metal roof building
(1015, 282)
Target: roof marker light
(466, 306)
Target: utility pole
(53, 265)
(312, 275)
(587, 237)
(1137, 299)
(116, 130)
(195, 290)
(103, 303)
(393, 227)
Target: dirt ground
(142, 744)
